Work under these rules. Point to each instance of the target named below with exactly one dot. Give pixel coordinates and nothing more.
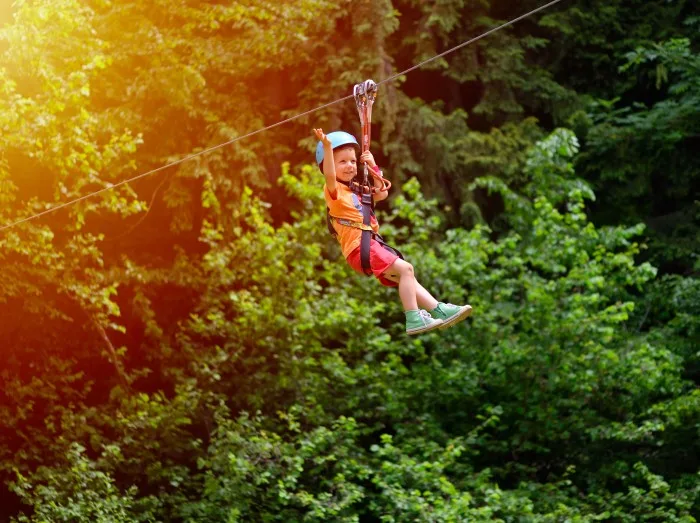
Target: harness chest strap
(350, 223)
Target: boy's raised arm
(329, 168)
(328, 163)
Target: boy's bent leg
(417, 321)
(402, 272)
(424, 299)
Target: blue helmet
(337, 139)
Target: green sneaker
(420, 321)
(451, 314)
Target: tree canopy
(191, 347)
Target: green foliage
(80, 492)
(192, 347)
(253, 474)
(661, 139)
(375, 426)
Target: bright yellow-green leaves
(192, 347)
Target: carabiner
(365, 94)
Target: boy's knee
(400, 269)
(407, 269)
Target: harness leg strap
(388, 247)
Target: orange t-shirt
(347, 205)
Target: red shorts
(380, 259)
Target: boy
(336, 156)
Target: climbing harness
(364, 93)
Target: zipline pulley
(365, 94)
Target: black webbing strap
(329, 222)
(365, 241)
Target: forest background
(191, 347)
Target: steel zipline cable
(225, 144)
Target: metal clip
(365, 93)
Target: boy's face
(345, 163)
